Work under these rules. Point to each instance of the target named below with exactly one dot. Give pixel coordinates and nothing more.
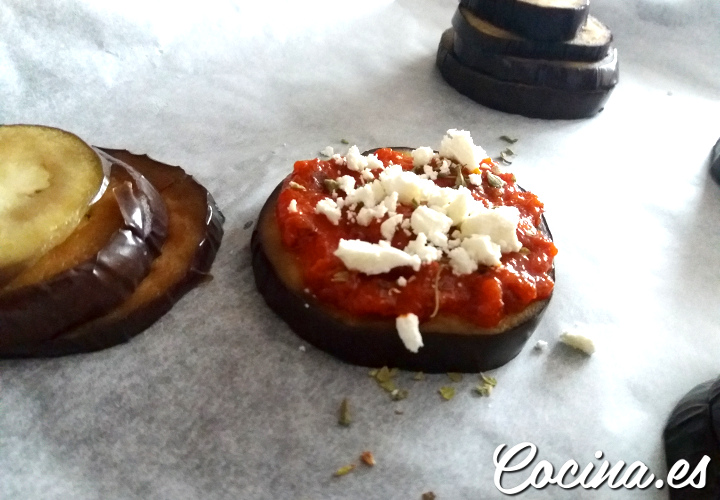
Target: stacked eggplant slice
(538, 58)
(95, 245)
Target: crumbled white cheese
(460, 261)
(401, 281)
(373, 258)
(578, 340)
(346, 183)
(328, 151)
(482, 250)
(408, 328)
(367, 174)
(459, 208)
(366, 215)
(391, 202)
(541, 345)
(500, 223)
(355, 161)
(369, 195)
(431, 174)
(458, 145)
(420, 248)
(422, 156)
(475, 179)
(435, 225)
(389, 226)
(292, 206)
(329, 208)
(373, 162)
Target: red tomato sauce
(483, 297)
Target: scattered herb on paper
(508, 139)
(488, 380)
(345, 417)
(399, 394)
(455, 377)
(485, 387)
(428, 496)
(344, 141)
(419, 376)
(447, 392)
(248, 224)
(346, 469)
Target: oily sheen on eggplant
(194, 234)
(534, 101)
(474, 34)
(93, 270)
(449, 344)
(552, 20)
(691, 432)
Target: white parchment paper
(217, 400)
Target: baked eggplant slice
(715, 161)
(534, 101)
(474, 34)
(48, 178)
(450, 344)
(194, 234)
(94, 269)
(691, 432)
(550, 20)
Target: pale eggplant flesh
(692, 432)
(545, 20)
(591, 43)
(374, 342)
(194, 235)
(132, 223)
(534, 101)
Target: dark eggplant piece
(548, 20)
(93, 270)
(449, 344)
(715, 162)
(529, 100)
(194, 234)
(566, 75)
(474, 34)
(691, 432)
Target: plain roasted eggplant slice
(529, 100)
(550, 20)
(715, 161)
(195, 231)
(691, 432)
(591, 43)
(449, 344)
(93, 270)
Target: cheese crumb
(401, 281)
(422, 156)
(408, 328)
(329, 208)
(579, 341)
(541, 345)
(388, 228)
(328, 151)
(373, 258)
(292, 206)
(458, 145)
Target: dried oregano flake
(494, 180)
(508, 139)
(345, 418)
(447, 392)
(295, 185)
(346, 469)
(455, 377)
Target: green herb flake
(508, 139)
(414, 203)
(488, 380)
(295, 185)
(399, 394)
(384, 374)
(340, 277)
(346, 469)
(455, 377)
(460, 178)
(388, 385)
(373, 373)
(484, 389)
(419, 376)
(524, 250)
(494, 180)
(344, 141)
(507, 152)
(447, 392)
(331, 185)
(345, 418)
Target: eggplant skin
(198, 237)
(533, 101)
(591, 43)
(690, 433)
(374, 342)
(531, 20)
(38, 311)
(715, 162)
